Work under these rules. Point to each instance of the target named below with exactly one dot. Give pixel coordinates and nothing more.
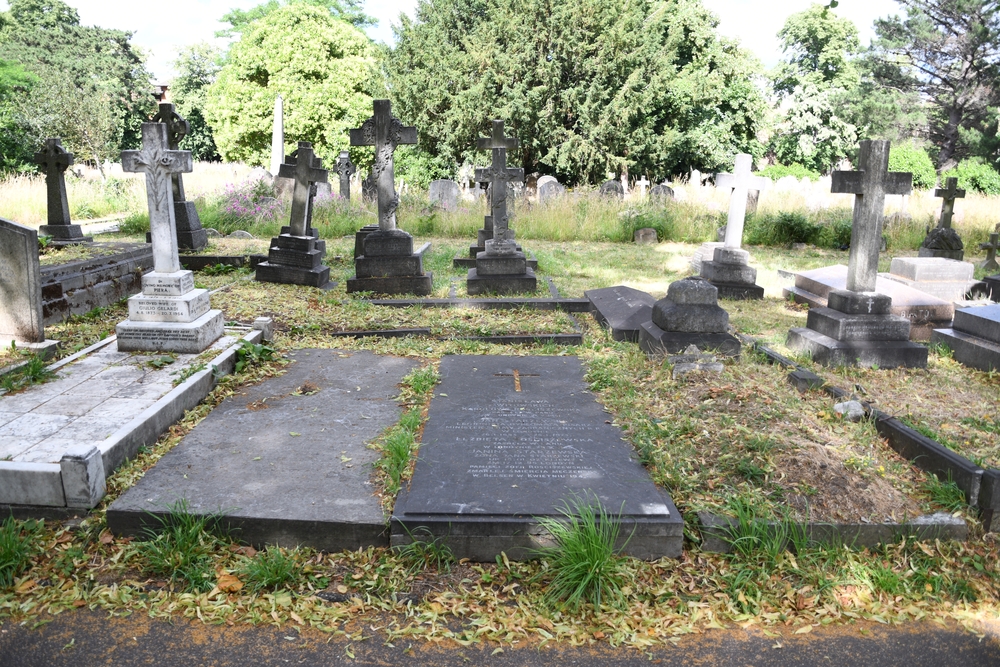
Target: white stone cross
(159, 163)
(643, 183)
(871, 183)
(741, 181)
(949, 193)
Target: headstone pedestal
(689, 315)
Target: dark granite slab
(493, 458)
(284, 466)
(622, 310)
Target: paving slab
(510, 439)
(284, 462)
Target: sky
(160, 31)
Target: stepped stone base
(65, 234)
(501, 283)
(731, 274)
(655, 341)
(832, 352)
(738, 292)
(295, 260)
(292, 275)
(419, 285)
(183, 337)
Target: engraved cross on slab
(870, 183)
(306, 169)
(499, 175)
(159, 163)
(741, 181)
(385, 132)
(517, 375)
(54, 159)
(345, 169)
(177, 129)
(949, 193)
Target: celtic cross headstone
(345, 169)
(189, 232)
(54, 160)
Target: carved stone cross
(54, 159)
(949, 194)
(643, 183)
(385, 132)
(159, 163)
(517, 375)
(305, 169)
(345, 169)
(498, 175)
(870, 183)
(741, 181)
(177, 129)
(991, 252)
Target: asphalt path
(83, 638)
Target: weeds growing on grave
(271, 568)
(945, 493)
(252, 354)
(425, 551)
(19, 543)
(181, 545)
(585, 564)
(35, 371)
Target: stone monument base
(944, 254)
(184, 337)
(501, 284)
(944, 278)
(390, 265)
(43, 350)
(65, 234)
(268, 272)
(731, 274)
(294, 260)
(359, 239)
(974, 337)
(419, 285)
(654, 341)
(831, 352)
(621, 310)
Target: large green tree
(346, 10)
(15, 83)
(948, 52)
(197, 67)
(589, 86)
(320, 65)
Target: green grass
(426, 551)
(584, 565)
(271, 568)
(945, 493)
(20, 541)
(181, 547)
(34, 372)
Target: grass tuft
(270, 569)
(20, 541)
(182, 547)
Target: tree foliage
(15, 82)
(321, 66)
(345, 10)
(589, 86)
(197, 66)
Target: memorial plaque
(509, 439)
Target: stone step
(844, 327)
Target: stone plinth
(294, 260)
(947, 279)
(858, 329)
(731, 274)
(65, 234)
(390, 266)
(170, 315)
(501, 274)
(924, 311)
(688, 315)
(622, 310)
(974, 337)
(943, 242)
(704, 253)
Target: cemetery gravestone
(974, 337)
(190, 234)
(947, 279)
(643, 184)
(856, 327)
(661, 192)
(943, 241)
(646, 236)
(170, 315)
(612, 189)
(296, 255)
(990, 263)
(621, 310)
(444, 193)
(345, 169)
(389, 264)
(730, 271)
(369, 189)
(509, 439)
(502, 267)
(277, 136)
(54, 160)
(20, 290)
(688, 315)
(549, 189)
(695, 178)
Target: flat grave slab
(284, 462)
(509, 439)
(622, 310)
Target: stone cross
(384, 131)
(871, 183)
(991, 252)
(278, 136)
(159, 163)
(345, 169)
(517, 375)
(305, 170)
(643, 183)
(949, 193)
(177, 129)
(498, 175)
(741, 181)
(54, 159)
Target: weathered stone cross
(384, 131)
(345, 169)
(177, 129)
(741, 181)
(949, 193)
(991, 252)
(643, 183)
(498, 175)
(306, 169)
(517, 375)
(55, 160)
(871, 183)
(159, 163)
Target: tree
(15, 82)
(948, 52)
(345, 10)
(818, 47)
(319, 65)
(197, 67)
(589, 86)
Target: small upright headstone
(444, 194)
(345, 169)
(943, 241)
(549, 189)
(54, 160)
(389, 264)
(190, 234)
(21, 320)
(296, 255)
(502, 267)
(277, 137)
(695, 179)
(612, 189)
(646, 236)
(689, 315)
(170, 315)
(856, 327)
(643, 185)
(661, 193)
(730, 269)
